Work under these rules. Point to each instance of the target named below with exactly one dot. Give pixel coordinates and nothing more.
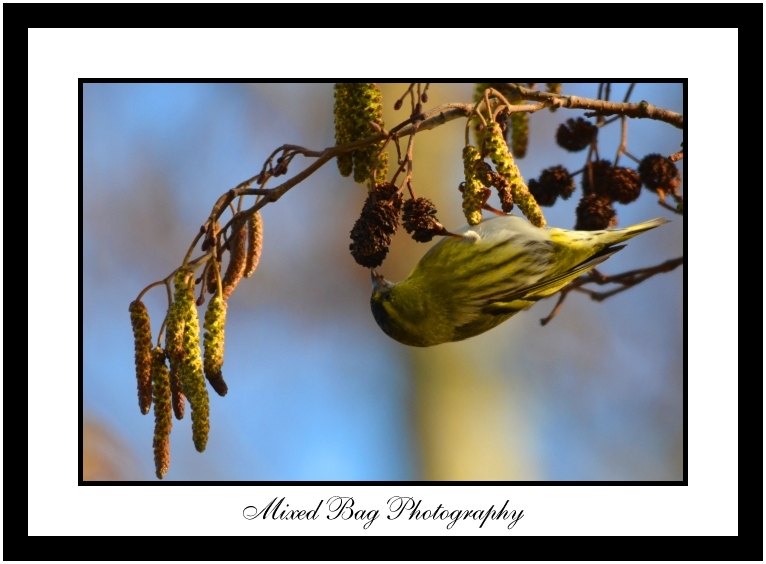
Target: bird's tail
(610, 237)
(619, 235)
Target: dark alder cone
(623, 185)
(576, 134)
(595, 177)
(419, 219)
(371, 234)
(554, 181)
(595, 212)
(659, 173)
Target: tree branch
(625, 280)
(641, 109)
(416, 123)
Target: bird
(482, 275)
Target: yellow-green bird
(467, 284)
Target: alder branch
(624, 281)
(432, 119)
(641, 109)
(422, 122)
(416, 123)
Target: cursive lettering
(404, 505)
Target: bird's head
(380, 301)
(395, 312)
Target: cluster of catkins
(169, 376)
(506, 178)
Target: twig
(625, 280)
(677, 156)
(629, 92)
(641, 109)
(662, 200)
(623, 148)
(555, 311)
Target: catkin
(191, 374)
(174, 326)
(343, 125)
(497, 149)
(237, 261)
(215, 321)
(358, 110)
(176, 394)
(473, 189)
(519, 133)
(142, 341)
(163, 421)
(254, 243)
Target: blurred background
(316, 390)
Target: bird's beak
(376, 278)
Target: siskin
(468, 284)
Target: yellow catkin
(163, 420)
(519, 133)
(192, 376)
(174, 339)
(142, 341)
(190, 369)
(496, 148)
(473, 189)
(176, 394)
(237, 261)
(175, 322)
(343, 125)
(214, 335)
(519, 121)
(254, 243)
(365, 108)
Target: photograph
(459, 282)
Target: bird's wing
(502, 303)
(503, 268)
